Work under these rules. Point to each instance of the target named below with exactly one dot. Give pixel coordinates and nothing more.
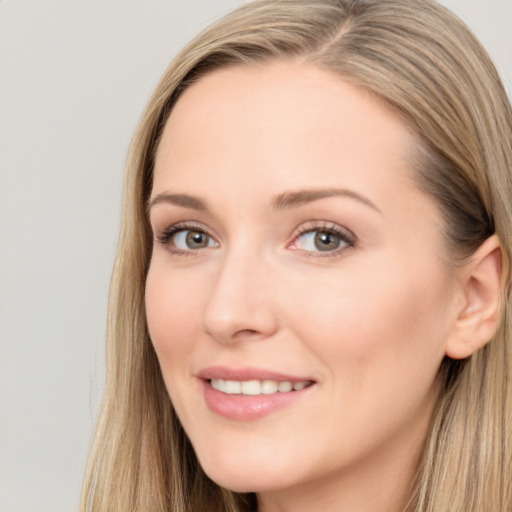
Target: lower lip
(247, 407)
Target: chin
(239, 473)
(245, 481)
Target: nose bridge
(239, 304)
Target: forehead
(287, 121)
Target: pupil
(196, 239)
(326, 241)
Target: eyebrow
(183, 200)
(301, 197)
(282, 201)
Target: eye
(326, 240)
(319, 241)
(185, 239)
(188, 239)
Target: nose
(240, 305)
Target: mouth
(250, 394)
(257, 387)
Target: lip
(245, 407)
(247, 373)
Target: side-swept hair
(423, 61)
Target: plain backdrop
(74, 77)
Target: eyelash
(166, 236)
(346, 236)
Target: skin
(369, 323)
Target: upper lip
(247, 373)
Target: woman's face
(293, 250)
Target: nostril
(246, 333)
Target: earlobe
(483, 279)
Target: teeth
(218, 384)
(256, 387)
(232, 387)
(251, 387)
(268, 387)
(284, 387)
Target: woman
(310, 308)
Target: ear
(483, 281)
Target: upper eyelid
(163, 236)
(347, 236)
(323, 225)
(185, 226)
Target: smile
(251, 393)
(257, 387)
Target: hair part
(423, 62)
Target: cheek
(380, 344)
(172, 311)
(369, 325)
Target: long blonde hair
(422, 60)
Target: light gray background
(74, 77)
